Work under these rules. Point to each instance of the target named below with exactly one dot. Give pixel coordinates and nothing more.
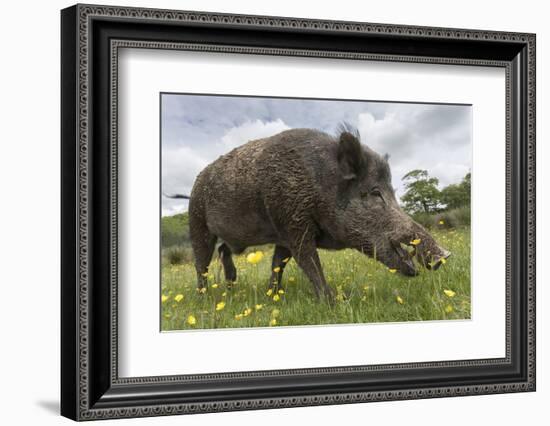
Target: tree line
(422, 193)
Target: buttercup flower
(178, 298)
(276, 298)
(392, 271)
(239, 317)
(442, 222)
(291, 279)
(215, 285)
(164, 298)
(247, 312)
(416, 241)
(220, 306)
(449, 293)
(286, 259)
(254, 257)
(277, 269)
(281, 291)
(191, 320)
(273, 322)
(275, 313)
(449, 309)
(259, 307)
(399, 300)
(269, 292)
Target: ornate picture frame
(91, 37)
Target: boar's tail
(177, 196)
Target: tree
(457, 195)
(422, 194)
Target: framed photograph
(263, 212)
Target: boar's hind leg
(308, 259)
(203, 248)
(278, 266)
(229, 269)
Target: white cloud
(386, 135)
(428, 137)
(181, 162)
(251, 130)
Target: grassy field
(366, 292)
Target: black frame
(90, 386)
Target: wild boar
(301, 190)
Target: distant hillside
(175, 230)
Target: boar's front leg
(281, 256)
(307, 258)
(229, 269)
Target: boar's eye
(376, 192)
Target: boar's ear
(351, 158)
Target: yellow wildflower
(276, 298)
(224, 294)
(399, 300)
(286, 259)
(191, 320)
(416, 241)
(275, 313)
(273, 322)
(215, 285)
(281, 291)
(442, 222)
(269, 292)
(392, 271)
(201, 290)
(259, 307)
(239, 317)
(247, 312)
(277, 269)
(449, 309)
(443, 261)
(291, 279)
(164, 298)
(220, 306)
(254, 257)
(449, 293)
(178, 298)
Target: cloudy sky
(197, 129)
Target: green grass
(366, 291)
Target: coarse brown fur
(303, 189)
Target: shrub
(454, 218)
(424, 219)
(177, 254)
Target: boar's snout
(404, 259)
(438, 259)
